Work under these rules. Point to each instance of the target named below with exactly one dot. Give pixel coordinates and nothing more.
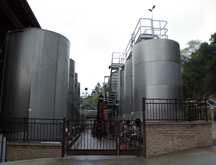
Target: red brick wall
(164, 138)
(23, 151)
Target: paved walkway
(196, 156)
(87, 141)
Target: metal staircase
(116, 63)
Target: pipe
(1, 142)
(3, 149)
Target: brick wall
(23, 151)
(164, 138)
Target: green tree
(199, 70)
(213, 39)
(93, 98)
(98, 89)
(193, 46)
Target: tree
(98, 89)
(193, 45)
(213, 39)
(93, 98)
(199, 70)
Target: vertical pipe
(152, 26)
(1, 145)
(3, 149)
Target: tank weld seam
(159, 85)
(156, 61)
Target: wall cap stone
(48, 144)
(178, 123)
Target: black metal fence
(175, 109)
(103, 137)
(88, 137)
(32, 129)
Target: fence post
(63, 140)
(27, 128)
(68, 128)
(206, 111)
(176, 109)
(140, 141)
(24, 129)
(117, 137)
(144, 127)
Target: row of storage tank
(39, 79)
(153, 71)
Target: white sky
(96, 28)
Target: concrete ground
(195, 156)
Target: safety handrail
(117, 58)
(141, 29)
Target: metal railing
(104, 137)
(32, 129)
(146, 29)
(117, 58)
(94, 137)
(175, 109)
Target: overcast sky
(96, 28)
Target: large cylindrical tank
(128, 89)
(36, 74)
(71, 89)
(156, 71)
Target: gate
(103, 137)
